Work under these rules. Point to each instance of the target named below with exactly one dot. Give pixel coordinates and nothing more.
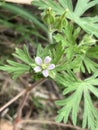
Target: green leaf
(46, 4)
(39, 50)
(90, 115)
(75, 107)
(91, 27)
(85, 5)
(58, 52)
(16, 69)
(79, 10)
(65, 78)
(91, 66)
(84, 54)
(67, 4)
(70, 105)
(64, 111)
(43, 52)
(23, 55)
(93, 52)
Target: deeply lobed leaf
(70, 105)
(82, 6)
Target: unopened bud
(61, 21)
(49, 16)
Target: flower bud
(49, 16)
(61, 21)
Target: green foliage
(73, 55)
(89, 24)
(78, 55)
(16, 69)
(23, 55)
(77, 90)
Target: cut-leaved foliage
(15, 68)
(70, 105)
(89, 24)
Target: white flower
(43, 66)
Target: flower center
(44, 66)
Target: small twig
(19, 111)
(20, 108)
(51, 123)
(22, 103)
(13, 100)
(20, 94)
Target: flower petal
(38, 60)
(45, 73)
(37, 69)
(47, 59)
(51, 66)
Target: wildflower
(43, 66)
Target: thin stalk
(22, 93)
(23, 101)
(50, 35)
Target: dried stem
(51, 123)
(21, 93)
(22, 103)
(20, 108)
(13, 100)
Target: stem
(13, 100)
(50, 35)
(20, 108)
(47, 122)
(22, 103)
(22, 93)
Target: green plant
(70, 58)
(89, 24)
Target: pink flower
(43, 66)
